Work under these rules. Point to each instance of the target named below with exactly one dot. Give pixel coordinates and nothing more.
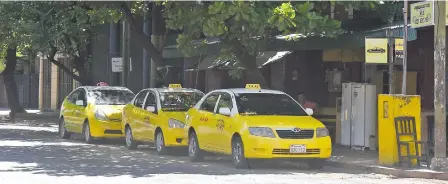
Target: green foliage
(249, 22)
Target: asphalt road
(31, 154)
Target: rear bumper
(276, 148)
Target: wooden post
(439, 161)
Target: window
(138, 102)
(150, 100)
(225, 101)
(82, 96)
(179, 101)
(73, 96)
(268, 104)
(209, 103)
(111, 97)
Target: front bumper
(174, 137)
(106, 129)
(261, 147)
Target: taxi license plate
(297, 148)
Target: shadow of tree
(43, 152)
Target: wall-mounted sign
(376, 50)
(117, 64)
(398, 51)
(422, 14)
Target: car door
(68, 110)
(80, 111)
(150, 118)
(136, 115)
(223, 124)
(206, 127)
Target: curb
(391, 171)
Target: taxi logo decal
(253, 86)
(220, 125)
(174, 86)
(296, 130)
(203, 119)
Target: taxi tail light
(322, 132)
(262, 132)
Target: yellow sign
(175, 86)
(253, 86)
(422, 14)
(399, 44)
(376, 50)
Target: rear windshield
(179, 101)
(268, 104)
(111, 97)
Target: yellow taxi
(94, 112)
(255, 123)
(157, 115)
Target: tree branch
(153, 52)
(51, 58)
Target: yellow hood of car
(180, 116)
(282, 121)
(113, 112)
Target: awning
(213, 61)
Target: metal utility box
(358, 114)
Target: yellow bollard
(389, 107)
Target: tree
(245, 27)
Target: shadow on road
(43, 152)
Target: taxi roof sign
(253, 86)
(175, 86)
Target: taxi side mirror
(309, 111)
(224, 111)
(79, 103)
(151, 109)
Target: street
(36, 155)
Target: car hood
(113, 112)
(282, 121)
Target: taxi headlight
(100, 115)
(172, 123)
(261, 131)
(322, 132)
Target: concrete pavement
(35, 154)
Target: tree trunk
(10, 83)
(83, 73)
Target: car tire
(129, 139)
(63, 133)
(316, 163)
(160, 143)
(238, 158)
(88, 138)
(195, 153)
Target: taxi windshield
(111, 97)
(262, 104)
(179, 101)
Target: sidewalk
(33, 117)
(368, 161)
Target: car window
(268, 104)
(82, 96)
(73, 96)
(225, 101)
(111, 97)
(150, 100)
(179, 101)
(138, 102)
(209, 103)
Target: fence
(28, 90)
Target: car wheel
(316, 163)
(238, 158)
(194, 152)
(130, 143)
(87, 133)
(63, 133)
(160, 143)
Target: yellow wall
(389, 107)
